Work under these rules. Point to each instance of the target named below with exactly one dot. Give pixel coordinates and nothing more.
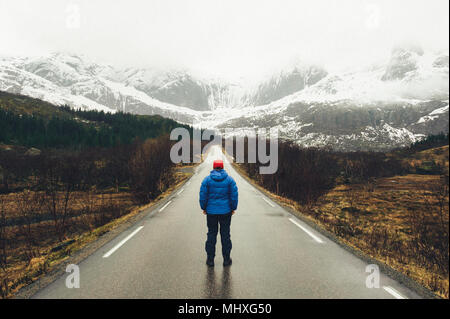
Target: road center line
(317, 239)
(268, 202)
(180, 191)
(123, 241)
(393, 292)
(162, 208)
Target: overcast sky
(228, 38)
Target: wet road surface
(275, 255)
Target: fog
(228, 39)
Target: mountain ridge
(410, 80)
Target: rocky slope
(389, 104)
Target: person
(218, 200)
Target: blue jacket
(218, 193)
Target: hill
(35, 123)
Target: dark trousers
(213, 222)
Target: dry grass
(380, 222)
(438, 156)
(380, 219)
(33, 248)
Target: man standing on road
(219, 200)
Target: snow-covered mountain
(388, 104)
(78, 76)
(75, 81)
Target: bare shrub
(3, 235)
(60, 176)
(14, 168)
(360, 167)
(29, 206)
(303, 175)
(430, 229)
(4, 287)
(151, 168)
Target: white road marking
(188, 183)
(180, 191)
(393, 292)
(317, 239)
(162, 208)
(268, 202)
(123, 241)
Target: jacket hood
(218, 175)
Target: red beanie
(218, 164)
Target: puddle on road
(275, 214)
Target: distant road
(275, 255)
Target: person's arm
(204, 195)
(233, 195)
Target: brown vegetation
(392, 206)
(51, 199)
(403, 222)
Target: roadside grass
(382, 220)
(429, 161)
(34, 249)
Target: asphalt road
(275, 255)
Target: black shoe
(227, 262)
(210, 261)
